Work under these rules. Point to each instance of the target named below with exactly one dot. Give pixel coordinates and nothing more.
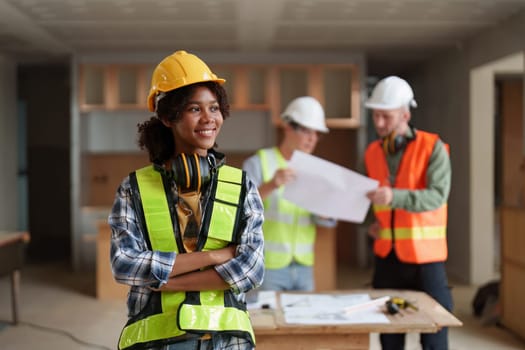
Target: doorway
(483, 219)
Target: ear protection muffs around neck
(394, 142)
(191, 171)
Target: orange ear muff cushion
(186, 170)
(198, 168)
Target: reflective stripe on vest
(419, 237)
(199, 312)
(194, 312)
(288, 229)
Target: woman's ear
(165, 121)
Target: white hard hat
(391, 93)
(306, 111)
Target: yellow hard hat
(177, 70)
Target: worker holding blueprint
(289, 229)
(410, 205)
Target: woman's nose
(207, 115)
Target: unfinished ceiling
(385, 30)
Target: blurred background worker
(289, 231)
(410, 205)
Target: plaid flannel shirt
(134, 264)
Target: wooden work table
(272, 332)
(12, 246)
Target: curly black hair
(156, 137)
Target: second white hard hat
(390, 93)
(306, 111)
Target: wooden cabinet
(293, 82)
(325, 267)
(511, 189)
(106, 286)
(336, 86)
(272, 87)
(249, 87)
(92, 86)
(513, 269)
(112, 87)
(102, 174)
(341, 95)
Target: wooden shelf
(115, 87)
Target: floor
(58, 311)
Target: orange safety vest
(418, 237)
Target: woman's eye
(214, 108)
(193, 109)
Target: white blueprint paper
(329, 309)
(328, 189)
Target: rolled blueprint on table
(327, 189)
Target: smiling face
(199, 124)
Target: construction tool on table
(395, 304)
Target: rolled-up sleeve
(246, 270)
(132, 262)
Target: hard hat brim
(384, 106)
(323, 130)
(152, 94)
(372, 105)
(318, 128)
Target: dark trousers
(431, 278)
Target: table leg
(15, 287)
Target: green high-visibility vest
(289, 233)
(180, 315)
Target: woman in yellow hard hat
(186, 230)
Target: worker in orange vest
(410, 204)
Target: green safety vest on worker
(175, 316)
(289, 232)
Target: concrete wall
(8, 145)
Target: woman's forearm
(208, 279)
(188, 262)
